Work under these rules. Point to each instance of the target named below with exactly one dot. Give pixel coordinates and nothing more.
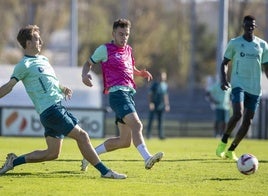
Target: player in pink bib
(118, 68)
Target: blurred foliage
(160, 34)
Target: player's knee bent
(83, 137)
(125, 143)
(139, 126)
(84, 134)
(237, 116)
(53, 156)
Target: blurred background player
(118, 68)
(221, 104)
(158, 104)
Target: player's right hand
(87, 80)
(225, 85)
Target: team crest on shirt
(40, 69)
(118, 56)
(126, 107)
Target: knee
(126, 143)
(237, 116)
(53, 156)
(82, 136)
(139, 125)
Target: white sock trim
(100, 149)
(142, 148)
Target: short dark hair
(26, 33)
(121, 23)
(248, 18)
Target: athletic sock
(19, 161)
(144, 151)
(102, 168)
(100, 149)
(225, 138)
(232, 147)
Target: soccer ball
(247, 164)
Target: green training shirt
(39, 80)
(222, 97)
(247, 58)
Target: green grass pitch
(189, 167)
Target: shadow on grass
(140, 160)
(204, 160)
(224, 179)
(52, 174)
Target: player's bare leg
(122, 141)
(243, 130)
(89, 153)
(84, 145)
(52, 152)
(133, 122)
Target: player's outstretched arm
(7, 88)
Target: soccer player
(248, 53)
(221, 104)
(158, 104)
(46, 93)
(118, 68)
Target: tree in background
(160, 30)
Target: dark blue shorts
(122, 103)
(57, 121)
(251, 102)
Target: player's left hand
(225, 85)
(146, 74)
(68, 93)
(87, 80)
